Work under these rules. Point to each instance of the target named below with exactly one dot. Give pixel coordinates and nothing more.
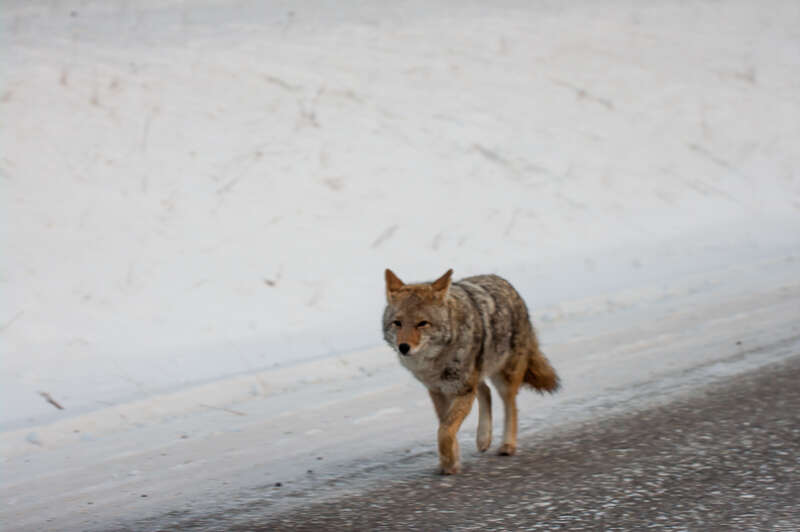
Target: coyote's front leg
(451, 411)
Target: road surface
(722, 458)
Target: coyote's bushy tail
(539, 374)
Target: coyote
(453, 336)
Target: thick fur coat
(453, 336)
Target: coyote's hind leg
(507, 382)
(484, 439)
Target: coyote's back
(508, 329)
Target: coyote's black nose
(404, 348)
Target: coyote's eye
(423, 323)
(397, 323)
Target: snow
(199, 200)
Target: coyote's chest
(448, 372)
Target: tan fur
(457, 335)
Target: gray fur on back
(503, 313)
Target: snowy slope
(195, 191)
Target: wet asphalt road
(725, 458)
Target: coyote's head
(416, 319)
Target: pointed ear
(393, 283)
(441, 284)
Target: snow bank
(198, 191)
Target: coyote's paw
(507, 449)
(451, 469)
(484, 441)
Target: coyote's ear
(441, 284)
(393, 283)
